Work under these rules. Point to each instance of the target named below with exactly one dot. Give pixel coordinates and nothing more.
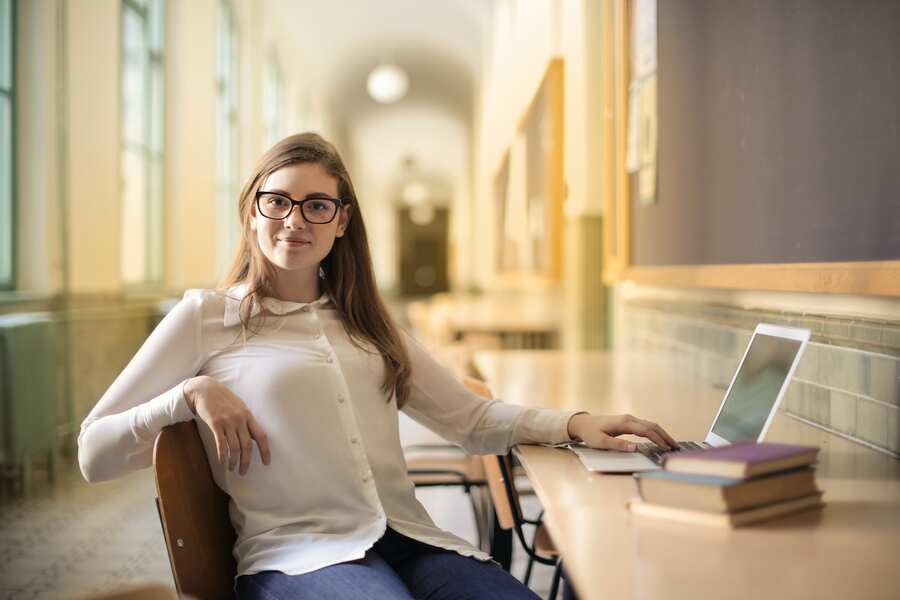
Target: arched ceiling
(337, 43)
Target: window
(228, 223)
(273, 102)
(142, 142)
(7, 144)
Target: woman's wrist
(574, 425)
(190, 390)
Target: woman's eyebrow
(309, 195)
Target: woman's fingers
(608, 442)
(246, 447)
(669, 440)
(234, 447)
(221, 445)
(262, 440)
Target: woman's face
(293, 243)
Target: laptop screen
(756, 388)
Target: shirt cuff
(552, 426)
(168, 408)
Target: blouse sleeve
(438, 400)
(117, 436)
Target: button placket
(351, 427)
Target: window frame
(227, 124)
(9, 281)
(152, 157)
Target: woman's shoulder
(212, 303)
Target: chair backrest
(492, 470)
(193, 511)
(500, 494)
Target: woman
(295, 371)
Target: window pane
(134, 216)
(134, 79)
(6, 182)
(157, 18)
(157, 99)
(6, 44)
(155, 221)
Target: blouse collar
(236, 293)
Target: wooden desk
(851, 549)
(528, 321)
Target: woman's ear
(253, 218)
(343, 220)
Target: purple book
(742, 459)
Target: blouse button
(354, 441)
(330, 359)
(304, 308)
(340, 399)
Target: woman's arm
(117, 435)
(438, 400)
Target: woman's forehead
(300, 179)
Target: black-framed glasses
(315, 208)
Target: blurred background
(536, 175)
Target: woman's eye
(318, 205)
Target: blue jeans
(396, 567)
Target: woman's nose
(295, 219)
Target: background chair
(447, 465)
(500, 479)
(193, 512)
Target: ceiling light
(387, 83)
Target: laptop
(746, 410)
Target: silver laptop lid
(758, 385)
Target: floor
(75, 538)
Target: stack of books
(731, 485)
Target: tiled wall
(105, 332)
(848, 380)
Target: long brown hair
(349, 278)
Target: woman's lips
(295, 243)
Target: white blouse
(337, 476)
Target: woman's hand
(599, 431)
(230, 421)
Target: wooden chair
(138, 592)
(193, 512)
(501, 483)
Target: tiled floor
(75, 538)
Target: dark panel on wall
(779, 134)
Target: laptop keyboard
(656, 454)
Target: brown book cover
(735, 519)
(720, 494)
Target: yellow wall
(191, 144)
(526, 35)
(93, 145)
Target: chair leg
(528, 570)
(476, 514)
(554, 587)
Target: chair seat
(457, 470)
(543, 543)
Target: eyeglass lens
(315, 210)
